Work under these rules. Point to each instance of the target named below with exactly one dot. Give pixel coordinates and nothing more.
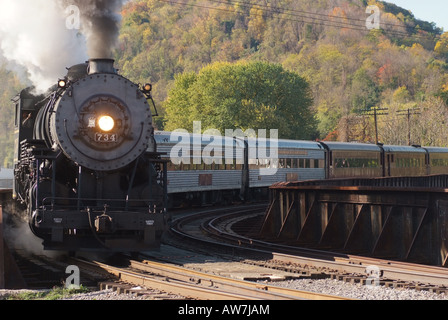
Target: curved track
(229, 233)
(223, 231)
(191, 283)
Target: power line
(303, 15)
(375, 112)
(408, 112)
(299, 13)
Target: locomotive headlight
(106, 123)
(62, 83)
(147, 87)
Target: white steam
(36, 35)
(33, 34)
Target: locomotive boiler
(87, 168)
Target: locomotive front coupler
(103, 223)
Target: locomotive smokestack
(101, 66)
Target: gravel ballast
(327, 286)
(358, 290)
(108, 294)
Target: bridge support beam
(405, 223)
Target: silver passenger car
(437, 161)
(353, 160)
(284, 160)
(404, 161)
(210, 168)
(201, 163)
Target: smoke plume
(35, 35)
(100, 23)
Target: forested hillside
(349, 70)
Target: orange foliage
(332, 136)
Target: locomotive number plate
(106, 137)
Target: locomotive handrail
(50, 202)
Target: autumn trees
(191, 47)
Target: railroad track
(38, 272)
(222, 232)
(190, 284)
(166, 280)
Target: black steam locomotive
(86, 162)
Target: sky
(427, 10)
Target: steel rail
(165, 285)
(390, 269)
(183, 286)
(335, 263)
(262, 291)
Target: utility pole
(375, 112)
(408, 113)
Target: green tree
(251, 95)
(364, 92)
